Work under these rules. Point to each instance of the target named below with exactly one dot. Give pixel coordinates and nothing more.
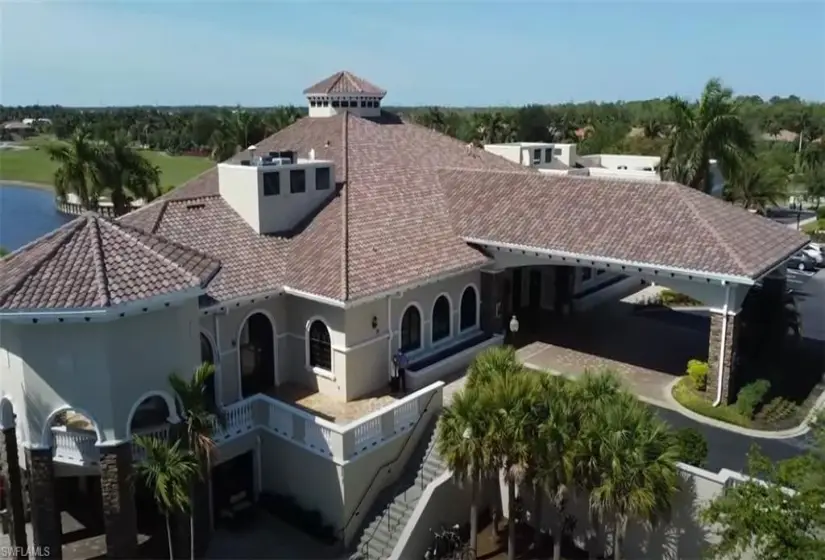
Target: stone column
(47, 530)
(716, 345)
(10, 465)
(491, 293)
(119, 515)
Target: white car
(814, 252)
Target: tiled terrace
(329, 408)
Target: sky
(423, 52)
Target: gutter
(722, 347)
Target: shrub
(777, 410)
(693, 448)
(751, 396)
(687, 397)
(820, 213)
(697, 370)
(669, 297)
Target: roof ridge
(67, 234)
(345, 207)
(99, 263)
(130, 233)
(682, 194)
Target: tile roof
(94, 263)
(658, 223)
(344, 82)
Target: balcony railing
(325, 438)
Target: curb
(800, 430)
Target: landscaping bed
(492, 544)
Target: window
(587, 274)
(325, 102)
(548, 155)
(537, 155)
(411, 329)
(297, 181)
(441, 318)
(312, 103)
(344, 103)
(370, 104)
(322, 178)
(272, 184)
(335, 103)
(469, 309)
(363, 103)
(377, 104)
(320, 348)
(556, 151)
(599, 271)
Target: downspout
(722, 349)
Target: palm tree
(76, 174)
(200, 418)
(167, 471)
(462, 429)
(637, 467)
(509, 398)
(125, 174)
(756, 187)
(494, 362)
(558, 421)
(712, 129)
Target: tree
(756, 187)
(777, 513)
(124, 174)
(494, 362)
(712, 129)
(692, 447)
(3, 252)
(462, 431)
(814, 180)
(77, 171)
(167, 470)
(200, 418)
(635, 466)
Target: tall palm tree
(76, 174)
(637, 467)
(124, 174)
(462, 431)
(712, 129)
(509, 398)
(167, 470)
(200, 418)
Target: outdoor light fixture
(514, 325)
(374, 322)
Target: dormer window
(537, 156)
(297, 181)
(272, 183)
(322, 178)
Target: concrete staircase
(393, 507)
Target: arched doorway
(256, 353)
(208, 357)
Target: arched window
(469, 308)
(256, 352)
(441, 318)
(411, 329)
(320, 347)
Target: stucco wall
(369, 350)
(99, 369)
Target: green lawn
(34, 166)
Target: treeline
(621, 127)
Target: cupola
(344, 91)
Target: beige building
(301, 268)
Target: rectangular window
(537, 156)
(322, 178)
(377, 104)
(344, 103)
(272, 185)
(325, 103)
(312, 103)
(548, 155)
(335, 103)
(297, 181)
(363, 103)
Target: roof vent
(195, 206)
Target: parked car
(815, 253)
(802, 262)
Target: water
(26, 214)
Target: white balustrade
(405, 415)
(74, 446)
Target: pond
(26, 213)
